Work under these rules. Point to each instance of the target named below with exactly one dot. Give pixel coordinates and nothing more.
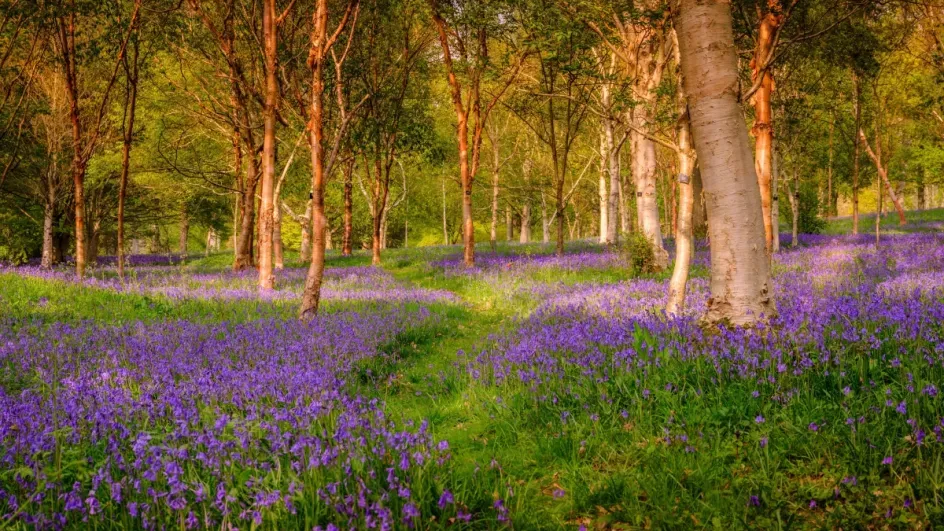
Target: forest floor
(532, 391)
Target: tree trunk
(878, 212)
(346, 244)
(304, 251)
(311, 298)
(647, 203)
(546, 224)
(684, 243)
(267, 202)
(623, 209)
(278, 247)
(49, 218)
(184, 233)
(830, 200)
(699, 213)
(131, 99)
(775, 200)
(604, 178)
(524, 236)
(509, 227)
(496, 169)
(445, 220)
(613, 200)
(882, 168)
(857, 110)
(740, 271)
(794, 196)
(763, 127)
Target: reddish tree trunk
(763, 127)
(346, 243)
(267, 206)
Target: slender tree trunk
(311, 297)
(49, 217)
(509, 227)
(305, 247)
(445, 220)
(604, 178)
(878, 212)
(267, 204)
(184, 233)
(278, 247)
(131, 98)
(496, 169)
(684, 243)
(346, 244)
(699, 214)
(830, 201)
(882, 168)
(856, 95)
(525, 234)
(546, 224)
(740, 270)
(763, 118)
(775, 200)
(625, 226)
(794, 196)
(613, 171)
(647, 203)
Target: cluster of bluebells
(866, 319)
(131, 260)
(210, 425)
(366, 284)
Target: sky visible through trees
(473, 264)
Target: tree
(321, 43)
(469, 29)
(740, 272)
(86, 127)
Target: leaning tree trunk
(740, 271)
(882, 169)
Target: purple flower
(888, 460)
(445, 499)
(759, 419)
(813, 426)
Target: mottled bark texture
(740, 270)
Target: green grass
(613, 472)
(843, 225)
